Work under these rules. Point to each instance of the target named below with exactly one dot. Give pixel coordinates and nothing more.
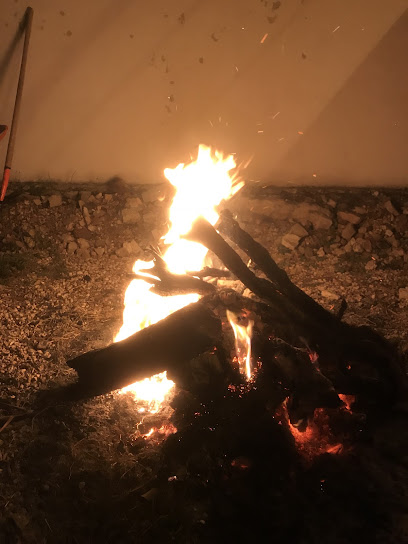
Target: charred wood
(167, 345)
(343, 349)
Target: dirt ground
(78, 471)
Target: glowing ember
(348, 400)
(200, 187)
(317, 438)
(243, 334)
(163, 431)
(152, 390)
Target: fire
(243, 335)
(200, 188)
(317, 438)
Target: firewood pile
(241, 448)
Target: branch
(167, 284)
(261, 257)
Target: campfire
(200, 187)
(240, 329)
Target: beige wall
(128, 87)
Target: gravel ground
(70, 469)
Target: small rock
(134, 202)
(298, 230)
(122, 252)
(41, 344)
(371, 265)
(83, 244)
(82, 232)
(347, 217)
(320, 221)
(389, 206)
(83, 253)
(85, 195)
(55, 200)
(29, 241)
(365, 244)
(348, 232)
(132, 247)
(290, 241)
(100, 251)
(86, 215)
(329, 295)
(131, 216)
(72, 247)
(107, 198)
(37, 201)
(332, 203)
(403, 294)
(360, 210)
(321, 252)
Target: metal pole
(28, 16)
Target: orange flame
(200, 187)
(243, 335)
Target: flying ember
(200, 188)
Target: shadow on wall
(361, 136)
(10, 52)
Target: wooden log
(279, 278)
(341, 347)
(167, 345)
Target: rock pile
(363, 225)
(335, 223)
(83, 223)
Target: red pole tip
(6, 177)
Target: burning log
(355, 359)
(168, 345)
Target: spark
(276, 115)
(336, 29)
(264, 37)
